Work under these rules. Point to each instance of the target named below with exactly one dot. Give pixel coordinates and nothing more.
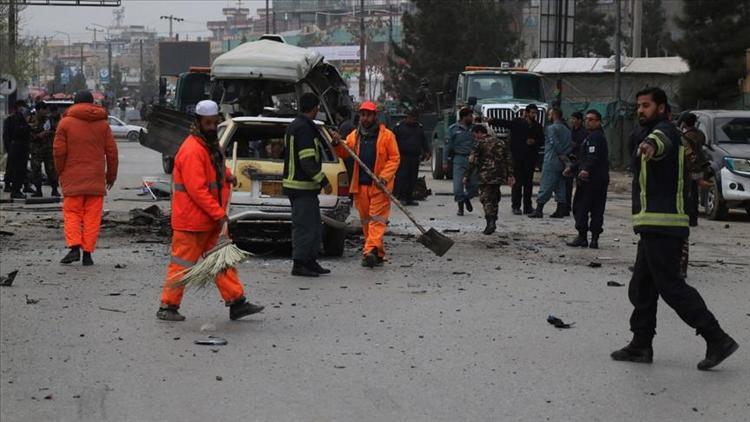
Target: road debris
(593, 264)
(8, 280)
(614, 284)
(30, 301)
(112, 310)
(558, 323)
(212, 341)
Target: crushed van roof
(267, 60)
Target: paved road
(458, 338)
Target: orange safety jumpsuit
(86, 159)
(199, 203)
(373, 205)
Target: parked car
(728, 149)
(121, 129)
(265, 212)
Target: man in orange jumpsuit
(200, 198)
(376, 146)
(85, 157)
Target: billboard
(339, 52)
(176, 57)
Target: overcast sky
(45, 20)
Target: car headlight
(738, 165)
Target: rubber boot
(469, 207)
(300, 269)
(241, 308)
(73, 256)
(38, 193)
(594, 244)
(87, 261)
(719, 346)
(371, 259)
(460, 209)
(639, 350)
(169, 313)
(538, 211)
(579, 242)
(491, 227)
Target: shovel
(431, 239)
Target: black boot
(38, 193)
(639, 350)
(17, 194)
(718, 348)
(371, 259)
(517, 211)
(460, 209)
(594, 241)
(538, 212)
(169, 313)
(87, 261)
(242, 308)
(559, 211)
(300, 269)
(469, 207)
(579, 242)
(55, 192)
(491, 227)
(73, 256)
(313, 265)
(28, 189)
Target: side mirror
(472, 101)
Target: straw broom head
(204, 273)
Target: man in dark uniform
(19, 133)
(659, 193)
(459, 145)
(526, 136)
(303, 180)
(578, 134)
(413, 147)
(43, 129)
(592, 171)
(697, 165)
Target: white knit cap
(207, 108)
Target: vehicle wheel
(333, 241)
(437, 164)
(167, 163)
(133, 136)
(716, 208)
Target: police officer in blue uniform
(458, 146)
(660, 219)
(592, 170)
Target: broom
(215, 261)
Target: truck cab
(493, 92)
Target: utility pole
(94, 30)
(12, 34)
(82, 59)
(618, 64)
(171, 19)
(362, 35)
(637, 27)
(140, 76)
(109, 65)
(267, 18)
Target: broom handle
(225, 226)
(381, 186)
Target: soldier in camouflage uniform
(491, 158)
(43, 132)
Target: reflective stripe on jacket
(303, 157)
(196, 192)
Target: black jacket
(17, 129)
(593, 156)
(411, 139)
(659, 186)
(303, 157)
(520, 131)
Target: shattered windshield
(511, 86)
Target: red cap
(368, 106)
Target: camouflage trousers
(41, 154)
(489, 196)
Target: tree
(713, 43)
(593, 29)
(443, 37)
(150, 87)
(27, 50)
(115, 80)
(656, 39)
